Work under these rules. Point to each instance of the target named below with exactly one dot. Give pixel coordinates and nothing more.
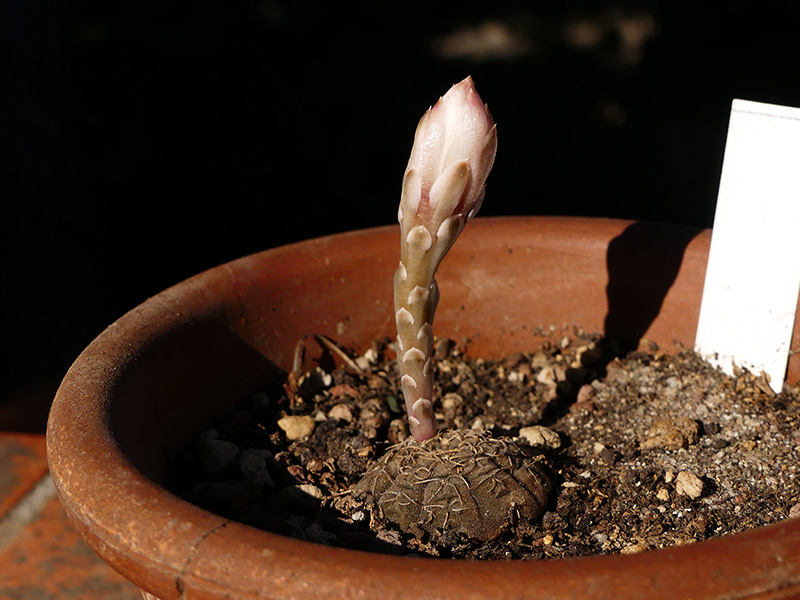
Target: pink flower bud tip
(454, 150)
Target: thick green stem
(415, 299)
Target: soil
(644, 451)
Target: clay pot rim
(207, 552)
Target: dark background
(146, 141)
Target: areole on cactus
(443, 187)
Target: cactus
(443, 187)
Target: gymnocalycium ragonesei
(443, 187)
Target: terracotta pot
(153, 377)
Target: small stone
(616, 375)
(387, 540)
(547, 540)
(343, 390)
(206, 436)
(650, 345)
(635, 548)
(663, 494)
(746, 445)
(219, 455)
(298, 524)
(538, 435)
(315, 533)
(546, 376)
(442, 347)
(232, 494)
(550, 394)
(304, 494)
(316, 381)
(358, 516)
(564, 342)
(451, 402)
(397, 432)
(341, 412)
(540, 359)
(253, 465)
(585, 393)
(794, 512)
(374, 415)
(687, 484)
(696, 396)
(297, 427)
(606, 454)
(601, 538)
(370, 357)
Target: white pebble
(311, 490)
(687, 484)
(341, 412)
(538, 435)
(601, 538)
(547, 376)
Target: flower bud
(454, 150)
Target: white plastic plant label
(753, 276)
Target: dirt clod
(671, 434)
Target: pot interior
(158, 375)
